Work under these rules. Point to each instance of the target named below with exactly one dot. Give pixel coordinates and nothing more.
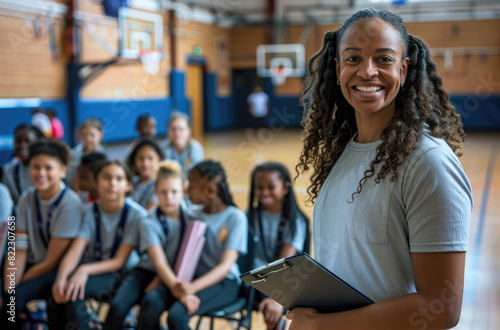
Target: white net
(279, 75)
(151, 62)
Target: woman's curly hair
(329, 122)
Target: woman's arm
(55, 251)
(217, 274)
(439, 278)
(159, 259)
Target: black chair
(239, 311)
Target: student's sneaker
(37, 320)
(130, 321)
(95, 322)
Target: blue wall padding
(177, 92)
(478, 112)
(219, 111)
(284, 110)
(119, 117)
(11, 117)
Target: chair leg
(199, 322)
(211, 323)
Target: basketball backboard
(281, 58)
(139, 32)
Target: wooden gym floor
(240, 151)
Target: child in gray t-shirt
(278, 227)
(16, 175)
(143, 161)
(160, 238)
(90, 134)
(48, 219)
(180, 146)
(108, 235)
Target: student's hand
(182, 288)
(302, 318)
(272, 312)
(58, 292)
(191, 302)
(75, 288)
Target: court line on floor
(474, 268)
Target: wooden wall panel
(468, 73)
(207, 37)
(244, 42)
(27, 68)
(125, 81)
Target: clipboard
(300, 281)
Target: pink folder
(190, 252)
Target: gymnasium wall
(35, 66)
(473, 80)
(121, 92)
(32, 71)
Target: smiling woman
(371, 73)
(375, 107)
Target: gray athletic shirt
(6, 203)
(9, 178)
(189, 157)
(368, 242)
(152, 233)
(270, 224)
(65, 221)
(225, 230)
(143, 192)
(109, 224)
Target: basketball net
(279, 75)
(151, 61)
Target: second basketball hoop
(279, 62)
(279, 74)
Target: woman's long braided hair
(329, 122)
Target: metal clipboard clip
(262, 273)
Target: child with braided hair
(392, 202)
(216, 282)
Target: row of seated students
(179, 146)
(121, 249)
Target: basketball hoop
(279, 75)
(151, 61)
